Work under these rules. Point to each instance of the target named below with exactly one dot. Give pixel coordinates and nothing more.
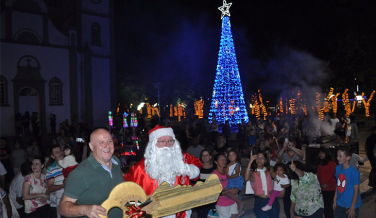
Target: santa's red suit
(182, 162)
(138, 175)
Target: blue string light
(228, 99)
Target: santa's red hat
(159, 131)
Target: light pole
(159, 105)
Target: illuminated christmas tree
(228, 99)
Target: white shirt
(232, 169)
(195, 151)
(68, 161)
(355, 159)
(3, 171)
(280, 181)
(15, 190)
(334, 122)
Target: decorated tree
(227, 101)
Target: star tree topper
(225, 9)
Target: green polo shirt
(91, 183)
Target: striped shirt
(54, 171)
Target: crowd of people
(62, 179)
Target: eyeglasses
(166, 142)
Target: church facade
(57, 57)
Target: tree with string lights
(227, 100)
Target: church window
(56, 93)
(3, 91)
(95, 34)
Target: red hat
(159, 131)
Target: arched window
(56, 91)
(95, 34)
(3, 91)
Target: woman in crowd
(208, 167)
(306, 196)
(35, 191)
(226, 208)
(325, 174)
(289, 152)
(284, 131)
(206, 170)
(258, 174)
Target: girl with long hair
(326, 169)
(258, 174)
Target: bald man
(89, 185)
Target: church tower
(57, 58)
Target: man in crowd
(89, 185)
(164, 162)
(370, 144)
(15, 189)
(195, 149)
(55, 178)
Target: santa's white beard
(164, 164)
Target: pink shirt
(257, 185)
(223, 201)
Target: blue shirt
(346, 180)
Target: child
(252, 138)
(355, 159)
(325, 174)
(258, 174)
(235, 180)
(346, 201)
(69, 162)
(281, 181)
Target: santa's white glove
(192, 171)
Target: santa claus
(164, 162)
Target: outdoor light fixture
(110, 119)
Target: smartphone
(80, 140)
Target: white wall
(87, 21)
(55, 37)
(53, 62)
(27, 21)
(101, 91)
(101, 8)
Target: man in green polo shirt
(89, 185)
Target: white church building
(57, 57)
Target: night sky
(281, 46)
